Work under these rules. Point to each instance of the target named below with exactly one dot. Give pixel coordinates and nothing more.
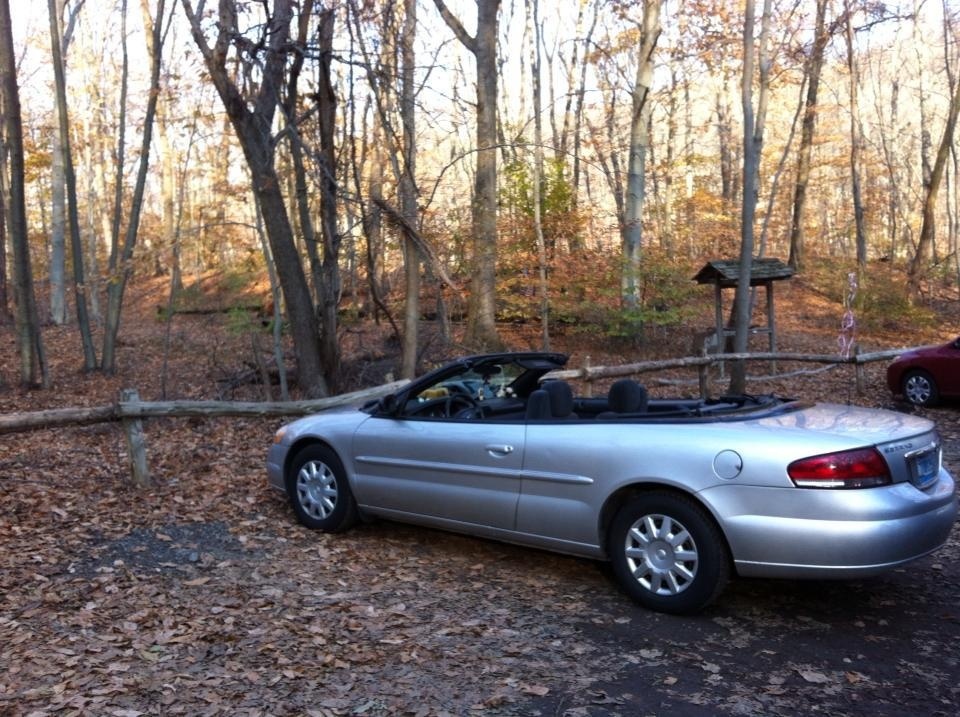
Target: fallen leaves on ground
(201, 596)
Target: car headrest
(561, 398)
(627, 396)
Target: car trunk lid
(909, 444)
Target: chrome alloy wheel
(317, 489)
(661, 554)
(918, 389)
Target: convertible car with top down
(679, 495)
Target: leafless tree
(928, 227)
(813, 69)
(533, 30)
(753, 126)
(252, 116)
(632, 231)
(408, 188)
(70, 182)
(856, 137)
(121, 258)
(33, 366)
(58, 260)
(481, 319)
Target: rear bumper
(805, 533)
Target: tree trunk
(58, 224)
(58, 259)
(666, 200)
(928, 227)
(168, 201)
(383, 149)
(123, 264)
(609, 159)
(481, 320)
(330, 287)
(814, 66)
(408, 189)
(5, 316)
(33, 367)
(100, 240)
(373, 221)
(118, 184)
(91, 163)
(252, 127)
(636, 163)
(728, 182)
(533, 29)
(578, 114)
(70, 181)
(856, 140)
(302, 218)
(753, 125)
(277, 307)
(887, 139)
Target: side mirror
(389, 404)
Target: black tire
(319, 491)
(920, 389)
(668, 554)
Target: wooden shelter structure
(725, 274)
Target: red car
(924, 376)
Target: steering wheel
(447, 407)
(462, 405)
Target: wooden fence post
(703, 375)
(136, 441)
(858, 367)
(588, 392)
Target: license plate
(925, 468)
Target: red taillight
(861, 468)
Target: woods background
(567, 163)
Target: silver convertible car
(679, 495)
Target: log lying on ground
(208, 310)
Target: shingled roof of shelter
(727, 272)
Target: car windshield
(481, 382)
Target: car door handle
(499, 449)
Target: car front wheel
(920, 389)
(668, 554)
(319, 492)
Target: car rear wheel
(319, 492)
(668, 554)
(920, 389)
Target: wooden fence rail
(130, 407)
(703, 363)
(130, 410)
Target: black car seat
(561, 399)
(553, 400)
(538, 405)
(625, 396)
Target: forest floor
(201, 596)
